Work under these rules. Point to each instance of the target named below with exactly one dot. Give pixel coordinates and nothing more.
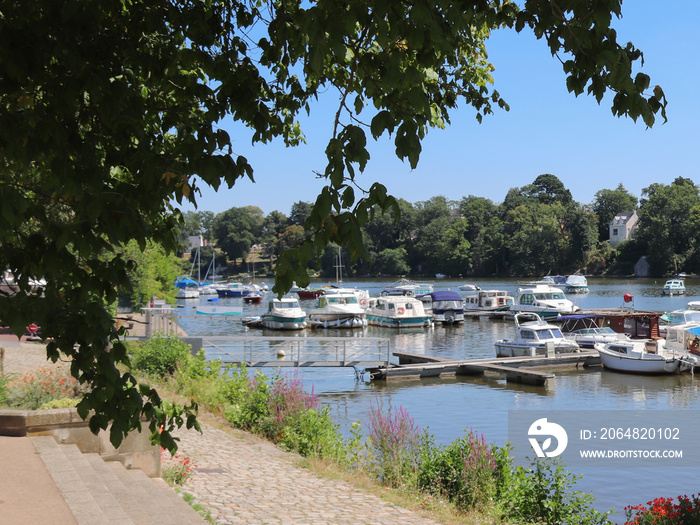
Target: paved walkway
(243, 479)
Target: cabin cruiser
(588, 330)
(236, 289)
(488, 300)
(542, 299)
(535, 338)
(576, 284)
(338, 310)
(282, 314)
(408, 288)
(674, 287)
(397, 312)
(446, 306)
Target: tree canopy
(111, 117)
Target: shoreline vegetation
(467, 481)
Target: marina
(446, 405)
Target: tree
(111, 118)
(237, 229)
(666, 223)
(392, 261)
(548, 189)
(607, 204)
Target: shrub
(32, 390)
(662, 511)
(464, 472)
(541, 494)
(396, 442)
(4, 380)
(160, 356)
(60, 403)
(175, 469)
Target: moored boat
(576, 284)
(338, 310)
(544, 300)
(237, 289)
(535, 338)
(397, 312)
(407, 288)
(637, 357)
(488, 300)
(282, 314)
(446, 306)
(674, 287)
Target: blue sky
(547, 129)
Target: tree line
(537, 229)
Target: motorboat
(488, 300)
(186, 288)
(362, 295)
(338, 310)
(306, 293)
(576, 284)
(674, 287)
(253, 298)
(236, 289)
(535, 337)
(282, 314)
(544, 300)
(446, 306)
(468, 287)
(397, 312)
(588, 330)
(408, 288)
(638, 357)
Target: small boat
(306, 293)
(588, 330)
(468, 287)
(637, 357)
(186, 288)
(397, 312)
(446, 307)
(407, 288)
(237, 289)
(544, 300)
(284, 314)
(535, 338)
(576, 284)
(488, 300)
(338, 310)
(253, 298)
(674, 287)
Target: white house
(622, 226)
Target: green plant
(160, 355)
(175, 469)
(464, 472)
(663, 511)
(32, 390)
(542, 493)
(66, 402)
(4, 380)
(312, 432)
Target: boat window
(445, 305)
(528, 334)
(322, 302)
(526, 298)
(409, 306)
(557, 333)
(391, 306)
(618, 349)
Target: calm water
(448, 407)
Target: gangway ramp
(262, 351)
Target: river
(448, 407)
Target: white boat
(488, 300)
(362, 295)
(638, 357)
(338, 310)
(576, 284)
(535, 338)
(674, 287)
(397, 312)
(586, 330)
(188, 290)
(282, 314)
(236, 289)
(468, 287)
(543, 300)
(446, 306)
(408, 288)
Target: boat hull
(650, 364)
(399, 322)
(513, 349)
(278, 322)
(337, 321)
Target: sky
(547, 130)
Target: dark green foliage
(160, 356)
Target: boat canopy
(445, 295)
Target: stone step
(99, 492)
(68, 476)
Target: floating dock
(527, 370)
